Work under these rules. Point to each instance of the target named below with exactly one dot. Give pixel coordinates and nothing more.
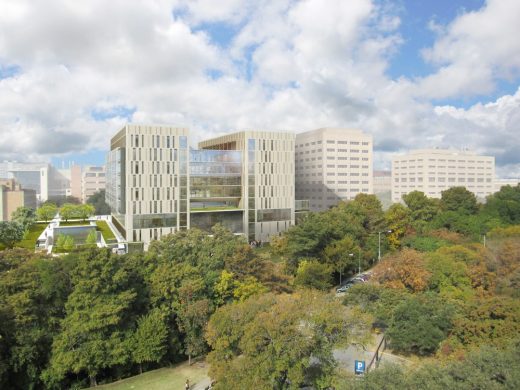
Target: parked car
(344, 288)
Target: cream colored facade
(333, 164)
(156, 185)
(499, 183)
(267, 179)
(93, 179)
(145, 183)
(435, 170)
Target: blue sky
(411, 73)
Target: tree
(192, 319)
(422, 208)
(419, 324)
(68, 211)
(98, 201)
(25, 216)
(32, 297)
(95, 331)
(484, 368)
(371, 209)
(10, 233)
(488, 320)
(342, 255)
(505, 205)
(279, 342)
(64, 243)
(449, 277)
(150, 337)
(460, 200)
(406, 269)
(46, 212)
(312, 274)
(247, 288)
(91, 240)
(397, 219)
(84, 211)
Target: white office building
(435, 170)
(332, 165)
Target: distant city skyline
(412, 74)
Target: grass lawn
(105, 231)
(163, 378)
(34, 232)
(74, 223)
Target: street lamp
(359, 260)
(379, 243)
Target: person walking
(187, 385)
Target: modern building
(435, 170)
(93, 179)
(267, 176)
(333, 165)
(157, 185)
(13, 196)
(31, 176)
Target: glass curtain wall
(215, 180)
(216, 189)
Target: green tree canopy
(25, 216)
(98, 201)
(46, 212)
(505, 204)
(10, 233)
(422, 208)
(95, 331)
(149, 340)
(313, 274)
(419, 324)
(84, 211)
(460, 200)
(272, 341)
(68, 211)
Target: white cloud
(474, 51)
(292, 65)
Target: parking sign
(359, 367)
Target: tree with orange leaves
(403, 270)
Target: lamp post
(379, 243)
(359, 260)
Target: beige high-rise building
(157, 185)
(93, 179)
(435, 170)
(333, 165)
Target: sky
(414, 74)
